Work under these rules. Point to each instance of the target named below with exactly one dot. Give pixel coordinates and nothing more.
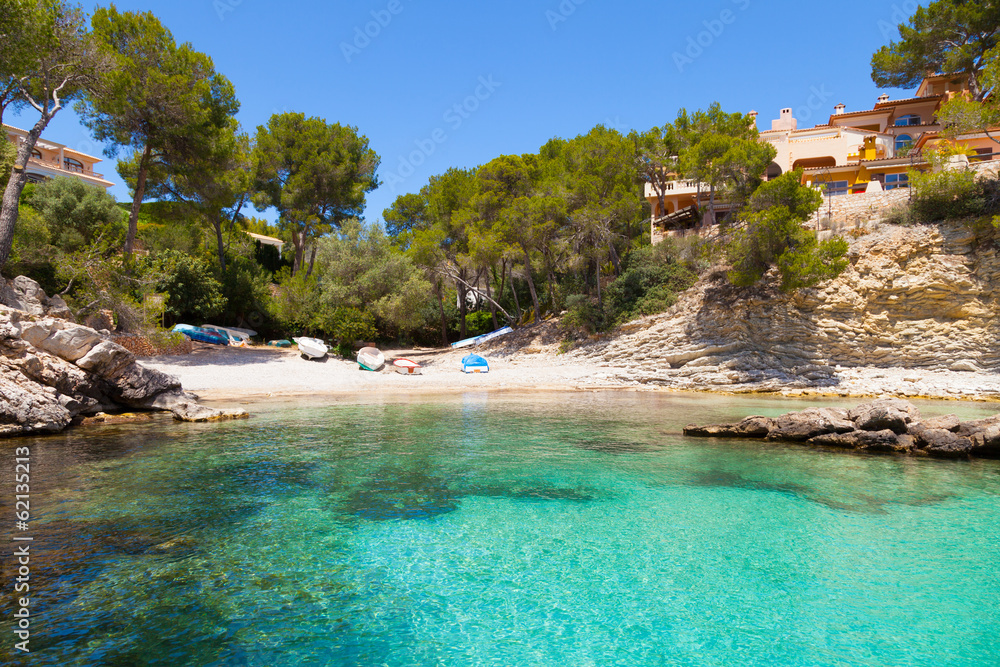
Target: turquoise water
(574, 529)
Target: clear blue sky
(550, 67)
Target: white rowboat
(407, 367)
(311, 348)
(371, 359)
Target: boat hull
(371, 359)
(311, 348)
(201, 335)
(407, 367)
(479, 340)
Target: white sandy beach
(226, 373)
(216, 373)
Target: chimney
(839, 109)
(786, 122)
(883, 98)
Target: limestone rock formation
(886, 425)
(53, 371)
(920, 298)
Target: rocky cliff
(53, 371)
(920, 298)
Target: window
(893, 181)
(903, 143)
(36, 154)
(909, 119)
(73, 165)
(834, 188)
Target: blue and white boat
(475, 364)
(479, 340)
(201, 335)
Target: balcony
(67, 167)
(674, 188)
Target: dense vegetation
(563, 230)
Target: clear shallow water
(545, 530)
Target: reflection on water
(570, 529)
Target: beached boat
(475, 364)
(201, 335)
(407, 367)
(479, 340)
(311, 348)
(235, 336)
(370, 359)
(280, 343)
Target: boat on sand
(407, 367)
(371, 359)
(479, 340)
(201, 335)
(311, 348)
(235, 336)
(475, 364)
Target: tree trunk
(217, 223)
(444, 318)
(503, 277)
(312, 260)
(552, 290)
(140, 193)
(600, 300)
(513, 290)
(297, 243)
(463, 303)
(12, 193)
(489, 294)
(531, 284)
(614, 258)
(711, 205)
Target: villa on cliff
(50, 160)
(855, 152)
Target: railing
(54, 164)
(984, 157)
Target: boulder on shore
(54, 372)
(884, 425)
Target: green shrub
(347, 325)
(952, 194)
(31, 238)
(478, 323)
(648, 286)
(583, 312)
(76, 213)
(246, 286)
(193, 292)
(772, 234)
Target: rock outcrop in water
(885, 425)
(53, 371)
(922, 298)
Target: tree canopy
(160, 100)
(315, 174)
(945, 37)
(48, 60)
